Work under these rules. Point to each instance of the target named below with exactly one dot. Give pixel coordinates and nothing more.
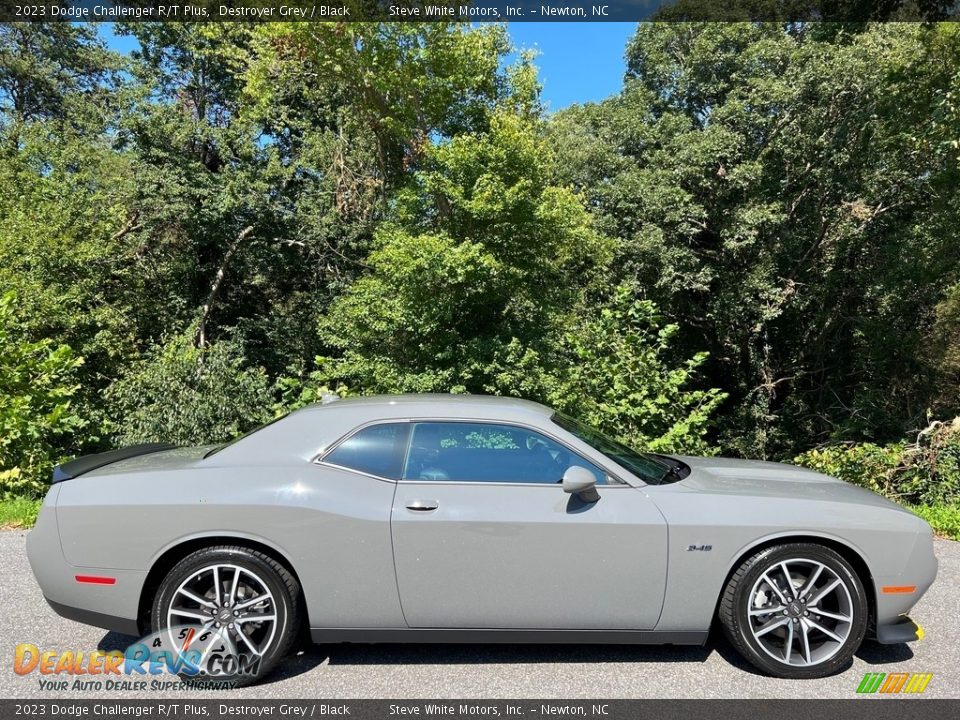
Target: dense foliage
(786, 196)
(925, 470)
(36, 385)
(752, 248)
(186, 395)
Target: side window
(375, 450)
(485, 452)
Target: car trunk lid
(146, 456)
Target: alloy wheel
(231, 602)
(800, 612)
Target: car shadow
(876, 654)
(487, 654)
(116, 641)
(308, 656)
(301, 660)
(718, 643)
(348, 654)
(870, 652)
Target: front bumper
(904, 630)
(899, 586)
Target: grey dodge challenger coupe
(461, 518)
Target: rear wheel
(795, 611)
(234, 609)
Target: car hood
(758, 478)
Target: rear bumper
(904, 630)
(114, 606)
(124, 626)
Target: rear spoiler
(81, 465)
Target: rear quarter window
(375, 450)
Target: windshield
(645, 467)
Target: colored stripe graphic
(918, 683)
(894, 683)
(870, 682)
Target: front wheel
(229, 612)
(795, 611)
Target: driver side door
(485, 537)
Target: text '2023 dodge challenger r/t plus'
(435, 518)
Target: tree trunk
(200, 340)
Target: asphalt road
(485, 671)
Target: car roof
(439, 403)
(308, 431)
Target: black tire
(286, 604)
(739, 600)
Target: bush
(612, 367)
(944, 519)
(931, 473)
(865, 464)
(925, 471)
(296, 392)
(36, 419)
(617, 375)
(19, 512)
(187, 396)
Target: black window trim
(320, 459)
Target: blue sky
(579, 62)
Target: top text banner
(477, 10)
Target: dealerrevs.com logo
(192, 654)
(891, 683)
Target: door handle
(423, 505)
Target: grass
(18, 512)
(944, 519)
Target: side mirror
(581, 482)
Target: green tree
(46, 68)
(353, 110)
(781, 194)
(188, 396)
(484, 262)
(490, 284)
(208, 199)
(37, 421)
(63, 249)
(619, 375)
(765, 208)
